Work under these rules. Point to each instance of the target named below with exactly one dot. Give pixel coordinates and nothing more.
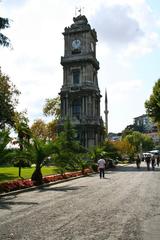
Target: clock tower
(80, 94)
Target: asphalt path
(123, 206)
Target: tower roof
(80, 25)
(80, 20)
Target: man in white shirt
(101, 167)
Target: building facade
(80, 95)
(144, 124)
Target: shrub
(94, 167)
(20, 184)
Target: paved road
(123, 206)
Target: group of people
(150, 160)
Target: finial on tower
(78, 11)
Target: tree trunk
(37, 175)
(19, 172)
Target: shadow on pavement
(61, 189)
(8, 202)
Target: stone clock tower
(80, 94)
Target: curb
(41, 186)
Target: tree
(8, 101)
(69, 149)
(153, 104)
(51, 130)
(131, 128)
(137, 139)
(4, 23)
(4, 140)
(95, 153)
(110, 149)
(24, 135)
(52, 107)
(124, 148)
(43, 130)
(21, 127)
(39, 152)
(39, 129)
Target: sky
(128, 51)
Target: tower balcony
(82, 88)
(75, 59)
(83, 121)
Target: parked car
(155, 152)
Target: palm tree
(39, 152)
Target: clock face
(76, 44)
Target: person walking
(153, 162)
(101, 167)
(138, 161)
(148, 161)
(158, 160)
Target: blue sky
(128, 50)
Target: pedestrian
(101, 167)
(158, 160)
(153, 162)
(138, 161)
(148, 161)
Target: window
(76, 108)
(76, 77)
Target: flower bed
(21, 184)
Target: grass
(11, 173)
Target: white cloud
(116, 26)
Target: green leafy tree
(95, 153)
(4, 141)
(110, 150)
(8, 101)
(147, 143)
(22, 128)
(137, 139)
(52, 107)
(39, 152)
(68, 149)
(23, 134)
(153, 104)
(4, 23)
